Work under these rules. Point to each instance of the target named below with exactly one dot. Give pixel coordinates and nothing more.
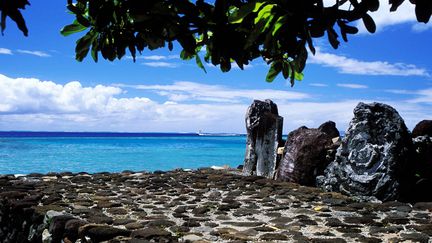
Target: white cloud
(190, 91)
(29, 95)
(318, 85)
(159, 57)
(353, 66)
(5, 51)
(161, 64)
(384, 18)
(423, 96)
(420, 27)
(352, 86)
(34, 53)
(32, 104)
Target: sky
(43, 88)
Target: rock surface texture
(423, 128)
(195, 206)
(329, 127)
(423, 168)
(264, 135)
(304, 156)
(373, 157)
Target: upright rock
(305, 156)
(372, 160)
(264, 134)
(423, 128)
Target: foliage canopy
(230, 31)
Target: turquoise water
(22, 155)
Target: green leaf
(286, 69)
(83, 45)
(275, 69)
(94, 51)
(186, 55)
(278, 24)
(301, 59)
(264, 13)
(75, 27)
(298, 76)
(238, 16)
(200, 63)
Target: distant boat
(201, 133)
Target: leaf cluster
(225, 32)
(11, 9)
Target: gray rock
(372, 161)
(264, 135)
(305, 156)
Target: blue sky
(43, 88)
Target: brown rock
(305, 156)
(330, 129)
(423, 128)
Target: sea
(44, 152)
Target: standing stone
(264, 134)
(423, 128)
(305, 156)
(372, 160)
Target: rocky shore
(196, 206)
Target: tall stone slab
(373, 160)
(264, 135)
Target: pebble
(200, 206)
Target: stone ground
(196, 206)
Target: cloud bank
(33, 104)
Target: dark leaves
(395, 4)
(369, 23)
(275, 69)
(10, 8)
(236, 31)
(372, 5)
(332, 38)
(72, 28)
(423, 10)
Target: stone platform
(195, 206)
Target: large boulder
(423, 169)
(423, 128)
(329, 127)
(304, 156)
(372, 160)
(264, 135)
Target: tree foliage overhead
(229, 31)
(11, 9)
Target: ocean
(43, 152)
